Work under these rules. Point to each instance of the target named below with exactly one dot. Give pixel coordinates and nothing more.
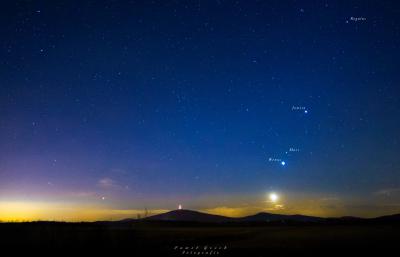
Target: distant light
(180, 207)
(283, 163)
(273, 197)
(305, 111)
(103, 198)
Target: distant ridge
(196, 216)
(393, 217)
(264, 216)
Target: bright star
(283, 163)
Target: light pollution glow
(233, 206)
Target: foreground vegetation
(173, 238)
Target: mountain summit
(188, 215)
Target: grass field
(185, 239)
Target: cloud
(242, 211)
(107, 183)
(329, 199)
(228, 211)
(388, 191)
(111, 184)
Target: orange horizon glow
(20, 211)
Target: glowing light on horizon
(18, 211)
(180, 207)
(273, 197)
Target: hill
(189, 215)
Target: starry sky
(110, 108)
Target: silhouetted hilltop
(188, 215)
(268, 217)
(391, 218)
(196, 216)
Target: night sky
(109, 108)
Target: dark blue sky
(126, 104)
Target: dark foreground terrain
(157, 238)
